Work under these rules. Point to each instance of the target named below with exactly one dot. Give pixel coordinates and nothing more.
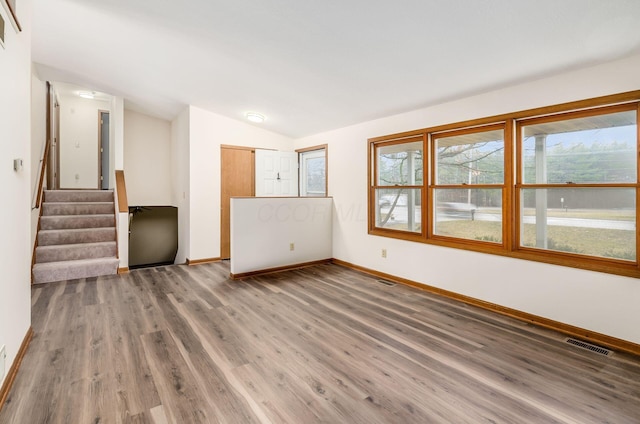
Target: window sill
(608, 266)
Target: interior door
(276, 173)
(237, 179)
(287, 177)
(266, 172)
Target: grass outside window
(556, 184)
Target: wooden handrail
(43, 166)
(121, 189)
(14, 17)
(47, 147)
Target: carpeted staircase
(77, 236)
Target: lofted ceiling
(312, 66)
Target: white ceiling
(312, 66)
(64, 89)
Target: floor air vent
(588, 346)
(386, 283)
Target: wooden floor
(320, 345)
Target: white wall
(15, 142)
(116, 138)
(262, 229)
(38, 142)
(596, 301)
(147, 160)
(79, 141)
(180, 180)
(207, 131)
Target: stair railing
(38, 190)
(121, 191)
(122, 221)
(42, 169)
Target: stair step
(71, 252)
(73, 236)
(71, 270)
(77, 236)
(77, 221)
(78, 195)
(77, 208)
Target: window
(469, 184)
(557, 184)
(399, 185)
(578, 176)
(312, 164)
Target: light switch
(17, 165)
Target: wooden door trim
(230, 146)
(225, 230)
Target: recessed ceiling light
(255, 117)
(87, 95)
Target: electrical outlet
(292, 246)
(384, 253)
(3, 360)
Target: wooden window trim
(324, 147)
(610, 100)
(512, 183)
(577, 114)
(312, 148)
(496, 126)
(372, 166)
(565, 257)
(394, 143)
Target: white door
(276, 173)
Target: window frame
(434, 185)
(521, 185)
(307, 150)
(373, 187)
(512, 184)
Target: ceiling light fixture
(255, 117)
(87, 95)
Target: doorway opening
(53, 134)
(103, 150)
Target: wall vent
(588, 346)
(386, 283)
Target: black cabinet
(153, 235)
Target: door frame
(222, 191)
(100, 151)
(53, 134)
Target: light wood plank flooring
(324, 344)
